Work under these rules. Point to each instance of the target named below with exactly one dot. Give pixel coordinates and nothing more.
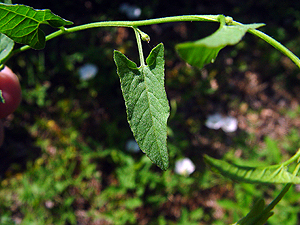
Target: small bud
(145, 37)
(228, 20)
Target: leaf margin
(235, 172)
(212, 44)
(6, 46)
(34, 37)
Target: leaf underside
(146, 103)
(204, 51)
(21, 23)
(277, 174)
(6, 46)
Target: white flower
(132, 146)
(132, 12)
(88, 71)
(230, 124)
(214, 121)
(184, 167)
(227, 123)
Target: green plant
(143, 87)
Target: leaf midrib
(28, 9)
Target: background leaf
(270, 174)
(146, 103)
(21, 23)
(204, 51)
(6, 46)
(255, 216)
(6, 1)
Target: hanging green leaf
(204, 51)
(276, 174)
(146, 103)
(21, 23)
(6, 46)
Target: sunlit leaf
(21, 23)
(201, 52)
(270, 174)
(6, 46)
(146, 103)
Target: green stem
(271, 206)
(211, 18)
(131, 24)
(289, 161)
(140, 47)
(278, 198)
(292, 159)
(274, 43)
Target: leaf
(146, 103)
(204, 51)
(255, 216)
(276, 174)
(6, 46)
(21, 23)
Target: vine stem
(130, 24)
(285, 189)
(292, 159)
(296, 60)
(140, 46)
(274, 43)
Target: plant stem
(277, 199)
(292, 159)
(211, 18)
(140, 47)
(274, 43)
(271, 206)
(131, 24)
